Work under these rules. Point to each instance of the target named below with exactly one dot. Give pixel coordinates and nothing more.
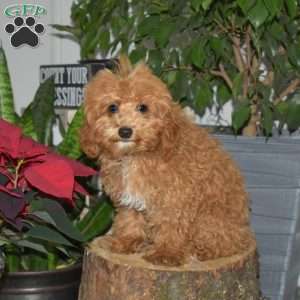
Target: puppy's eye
(142, 108)
(113, 108)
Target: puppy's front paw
(167, 258)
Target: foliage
(87, 30)
(7, 110)
(45, 220)
(208, 52)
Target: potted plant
(45, 218)
(245, 51)
(238, 54)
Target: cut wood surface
(111, 276)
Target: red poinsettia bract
(26, 165)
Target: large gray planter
(60, 284)
(272, 173)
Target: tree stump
(111, 276)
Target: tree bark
(110, 276)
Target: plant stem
(251, 127)
(12, 259)
(170, 68)
(247, 65)
(290, 89)
(222, 73)
(20, 163)
(236, 45)
(52, 260)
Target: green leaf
(163, 32)
(180, 86)
(204, 97)
(158, 7)
(196, 4)
(34, 262)
(281, 112)
(63, 250)
(246, 5)
(104, 39)
(265, 91)
(12, 258)
(171, 77)
(53, 213)
(137, 55)
(258, 14)
(271, 45)
(223, 95)
(292, 29)
(283, 107)
(177, 7)
(42, 112)
(198, 54)
(218, 46)
(294, 54)
(237, 87)
(89, 43)
(267, 120)
(295, 97)
(31, 245)
(148, 26)
(76, 32)
(96, 221)
(7, 108)
(27, 124)
(293, 116)
(291, 7)
(4, 241)
(70, 145)
(273, 6)
(155, 59)
(277, 31)
(240, 117)
(174, 58)
(206, 4)
(43, 215)
(46, 234)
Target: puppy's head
(127, 112)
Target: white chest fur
(130, 197)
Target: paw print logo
(24, 31)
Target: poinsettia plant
(45, 216)
(38, 191)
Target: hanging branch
(237, 53)
(248, 48)
(247, 65)
(290, 89)
(223, 74)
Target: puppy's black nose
(125, 132)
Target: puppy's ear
(172, 120)
(87, 141)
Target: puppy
(177, 193)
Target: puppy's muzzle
(125, 132)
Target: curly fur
(177, 192)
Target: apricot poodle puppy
(177, 193)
